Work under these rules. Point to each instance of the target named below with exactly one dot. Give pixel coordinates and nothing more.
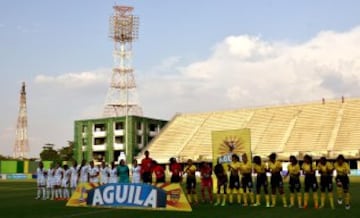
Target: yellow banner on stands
(165, 196)
(228, 142)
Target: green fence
(28, 167)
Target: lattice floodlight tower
(21, 146)
(122, 98)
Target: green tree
(48, 153)
(67, 153)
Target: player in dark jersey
(222, 181)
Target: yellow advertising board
(228, 142)
(165, 196)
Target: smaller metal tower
(122, 98)
(21, 146)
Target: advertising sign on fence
(164, 196)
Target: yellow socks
(331, 199)
(306, 199)
(231, 195)
(273, 200)
(251, 197)
(322, 199)
(257, 199)
(189, 198)
(238, 195)
(245, 199)
(292, 199)
(299, 195)
(267, 199)
(347, 198)
(340, 193)
(316, 200)
(284, 200)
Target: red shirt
(206, 172)
(176, 169)
(159, 171)
(146, 165)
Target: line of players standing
(325, 168)
(55, 182)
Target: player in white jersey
(74, 176)
(104, 173)
(93, 173)
(41, 181)
(135, 170)
(83, 172)
(50, 183)
(59, 173)
(65, 182)
(113, 173)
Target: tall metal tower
(21, 146)
(122, 98)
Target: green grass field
(17, 200)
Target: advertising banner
(229, 142)
(164, 196)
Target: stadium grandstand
(317, 128)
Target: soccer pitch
(17, 200)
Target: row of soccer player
(244, 188)
(57, 179)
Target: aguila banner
(166, 196)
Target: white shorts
(73, 182)
(41, 182)
(113, 180)
(50, 183)
(104, 180)
(57, 181)
(64, 183)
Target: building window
(150, 138)
(139, 125)
(139, 139)
(84, 141)
(99, 141)
(84, 128)
(119, 139)
(99, 127)
(152, 127)
(119, 125)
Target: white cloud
(75, 80)
(248, 71)
(241, 71)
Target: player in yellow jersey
(261, 180)
(246, 180)
(234, 185)
(190, 170)
(310, 181)
(294, 181)
(275, 168)
(342, 180)
(325, 168)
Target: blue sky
(187, 44)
